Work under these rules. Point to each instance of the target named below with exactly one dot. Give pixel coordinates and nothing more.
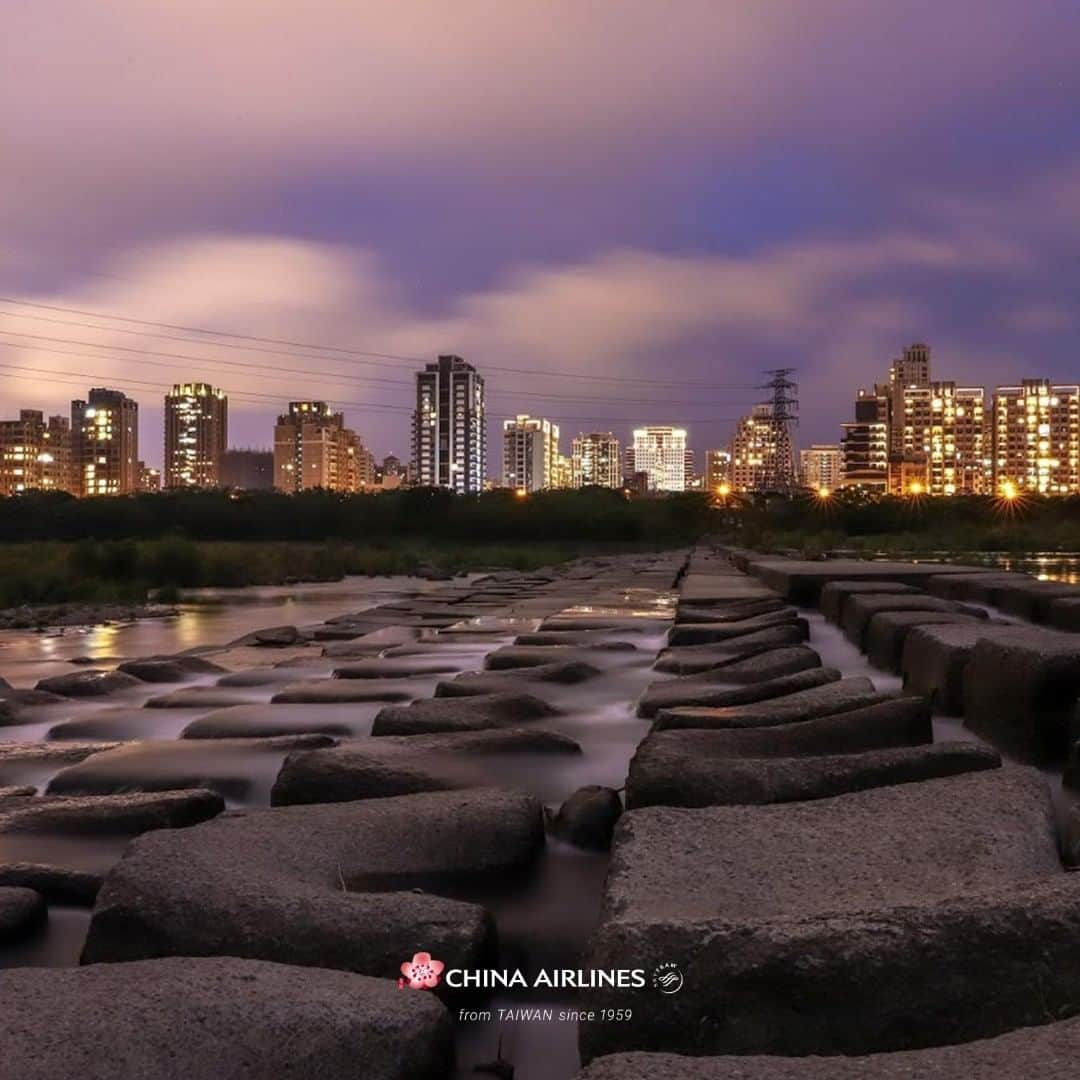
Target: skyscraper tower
(449, 436)
(530, 453)
(196, 434)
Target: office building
(530, 453)
(762, 456)
(247, 469)
(196, 435)
(594, 460)
(717, 469)
(314, 449)
(449, 432)
(864, 445)
(660, 453)
(35, 454)
(1036, 438)
(105, 443)
(820, 466)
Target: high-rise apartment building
(761, 451)
(530, 453)
(1036, 438)
(35, 454)
(314, 449)
(945, 428)
(864, 446)
(149, 479)
(196, 434)
(105, 443)
(820, 466)
(660, 453)
(449, 433)
(595, 460)
(910, 369)
(717, 469)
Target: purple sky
(688, 191)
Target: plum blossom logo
(420, 973)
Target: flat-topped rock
(1032, 599)
(1021, 689)
(474, 713)
(693, 659)
(90, 682)
(200, 697)
(980, 588)
(862, 607)
(707, 691)
(169, 669)
(402, 765)
(277, 636)
(834, 594)
(344, 691)
(569, 673)
(271, 721)
(229, 767)
(1064, 613)
(778, 914)
(126, 814)
(608, 653)
(115, 723)
(1047, 1050)
(57, 884)
(705, 633)
(202, 1018)
(624, 624)
(888, 630)
(675, 768)
(397, 668)
(22, 911)
(330, 886)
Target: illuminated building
(761, 451)
(314, 449)
(449, 432)
(530, 453)
(595, 460)
(196, 434)
(717, 468)
(1036, 438)
(660, 453)
(149, 479)
(911, 369)
(864, 446)
(105, 443)
(820, 466)
(945, 426)
(35, 454)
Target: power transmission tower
(780, 473)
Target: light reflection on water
(1044, 565)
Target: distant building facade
(530, 453)
(35, 454)
(864, 445)
(660, 453)
(149, 479)
(449, 432)
(945, 426)
(247, 469)
(717, 469)
(314, 449)
(820, 466)
(105, 443)
(196, 435)
(761, 452)
(1036, 438)
(595, 460)
(910, 369)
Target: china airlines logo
(420, 973)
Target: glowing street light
(521, 493)
(823, 493)
(917, 487)
(1009, 491)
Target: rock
(693, 659)
(15, 754)
(21, 912)
(676, 768)
(1064, 613)
(57, 884)
(202, 1018)
(114, 724)
(28, 698)
(396, 668)
(861, 608)
(477, 713)
(373, 643)
(1044, 1050)
(289, 884)
(826, 926)
(493, 682)
(977, 587)
(230, 767)
(111, 815)
(706, 633)
(92, 682)
(169, 669)
(834, 594)
(935, 656)
(267, 722)
(401, 765)
(837, 695)
(622, 623)
(277, 636)
(513, 657)
(1020, 691)
(1032, 599)
(888, 630)
(199, 697)
(588, 818)
(8, 714)
(700, 690)
(567, 637)
(699, 613)
(15, 795)
(344, 691)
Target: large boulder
(829, 926)
(1021, 690)
(202, 1018)
(587, 819)
(57, 884)
(707, 691)
(1032, 599)
(268, 722)
(476, 713)
(339, 885)
(169, 669)
(90, 682)
(834, 594)
(888, 630)
(401, 765)
(862, 607)
(22, 911)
